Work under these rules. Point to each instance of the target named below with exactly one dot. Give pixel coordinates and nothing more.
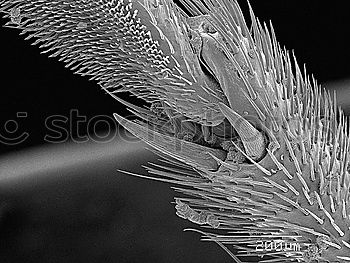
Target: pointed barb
(190, 153)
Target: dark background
(90, 212)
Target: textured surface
(274, 144)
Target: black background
(93, 213)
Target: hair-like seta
(259, 150)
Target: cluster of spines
(303, 122)
(103, 39)
(302, 106)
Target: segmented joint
(204, 217)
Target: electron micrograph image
(174, 131)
